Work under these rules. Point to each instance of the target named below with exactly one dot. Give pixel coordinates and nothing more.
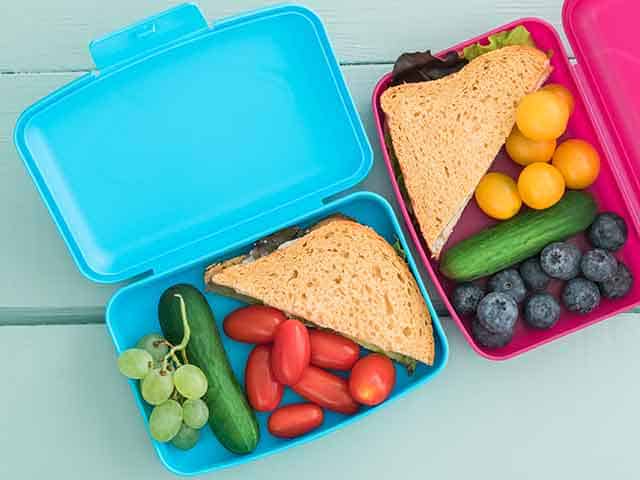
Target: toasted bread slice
(342, 276)
(446, 133)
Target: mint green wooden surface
(567, 410)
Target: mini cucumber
(231, 418)
(519, 238)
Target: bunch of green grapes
(175, 389)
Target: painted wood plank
(39, 272)
(567, 410)
(45, 36)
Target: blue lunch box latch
(147, 35)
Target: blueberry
(561, 260)
(533, 275)
(619, 284)
(541, 310)
(597, 265)
(466, 297)
(497, 312)
(509, 282)
(581, 295)
(489, 339)
(608, 231)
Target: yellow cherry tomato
(563, 92)
(540, 185)
(497, 196)
(542, 115)
(578, 162)
(524, 151)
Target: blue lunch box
(188, 143)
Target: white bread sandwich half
(446, 133)
(338, 275)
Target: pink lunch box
(607, 114)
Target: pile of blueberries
(588, 277)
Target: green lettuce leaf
(397, 246)
(518, 36)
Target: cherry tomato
(372, 379)
(524, 151)
(563, 92)
(497, 196)
(263, 390)
(540, 185)
(295, 420)
(578, 162)
(329, 350)
(326, 390)
(542, 115)
(291, 351)
(253, 324)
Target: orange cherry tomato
(326, 390)
(497, 196)
(563, 92)
(542, 115)
(294, 420)
(264, 392)
(329, 350)
(291, 351)
(540, 185)
(372, 379)
(524, 151)
(578, 162)
(253, 324)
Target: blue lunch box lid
(188, 139)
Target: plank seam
(10, 73)
(28, 316)
(84, 70)
(35, 316)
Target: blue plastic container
(186, 145)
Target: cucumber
(519, 238)
(231, 418)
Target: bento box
(603, 81)
(187, 144)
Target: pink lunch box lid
(603, 36)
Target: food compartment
(611, 192)
(132, 313)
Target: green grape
(157, 386)
(154, 344)
(186, 438)
(134, 363)
(195, 413)
(190, 381)
(165, 421)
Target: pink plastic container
(607, 114)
